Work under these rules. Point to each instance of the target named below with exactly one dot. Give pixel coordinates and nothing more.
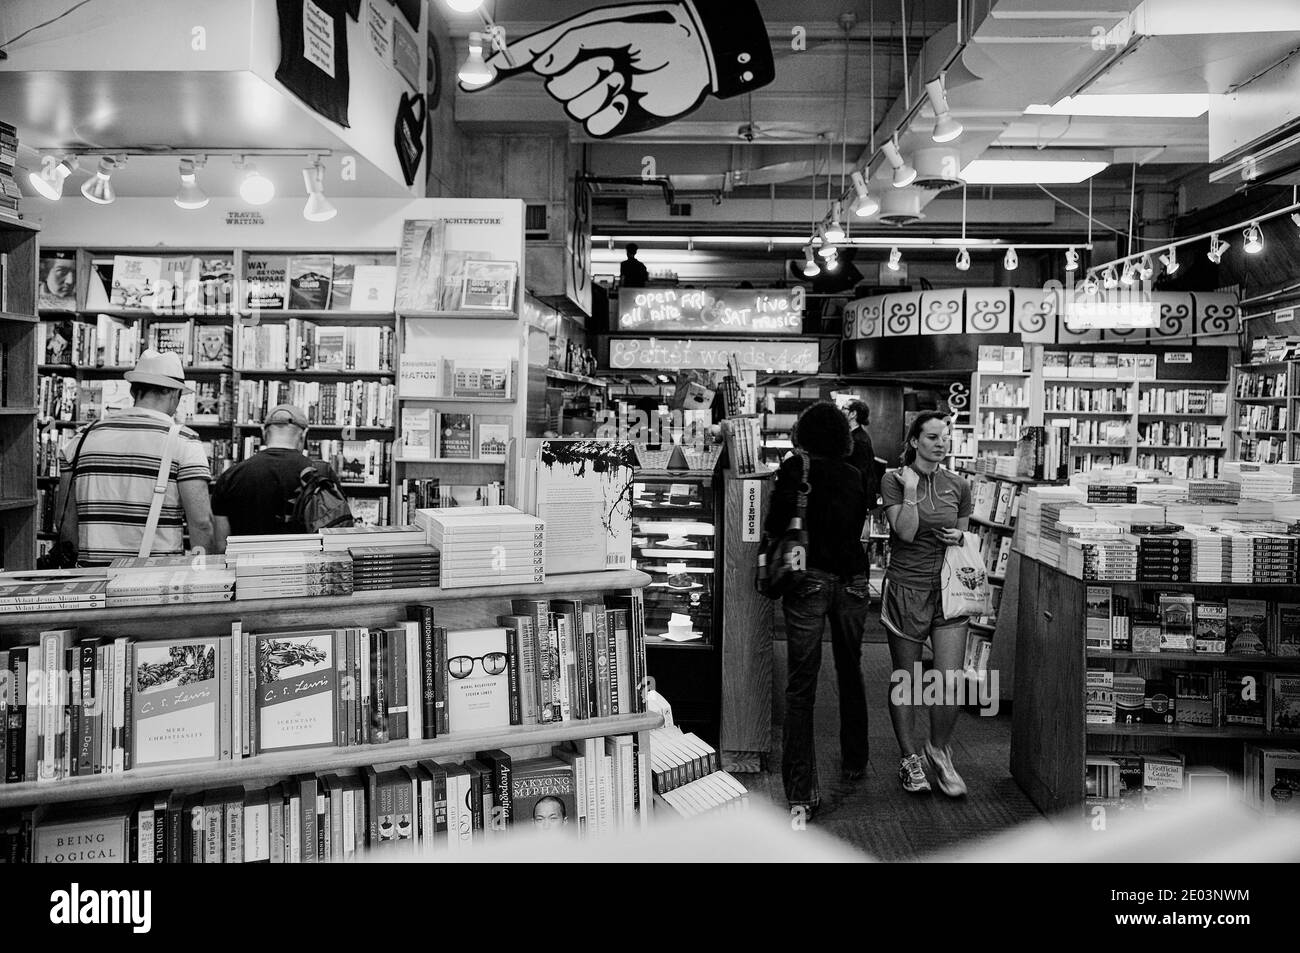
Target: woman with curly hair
(835, 588)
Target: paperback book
(296, 688)
(177, 703)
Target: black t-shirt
(633, 274)
(252, 494)
(836, 511)
(863, 459)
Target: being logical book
(74, 837)
(296, 686)
(420, 266)
(177, 704)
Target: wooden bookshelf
(19, 245)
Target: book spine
(128, 706)
(615, 644)
(234, 811)
(356, 711)
(367, 703)
(71, 669)
(90, 710)
(119, 703)
(104, 719)
(379, 688)
(225, 691)
(239, 735)
(16, 718)
(250, 691)
(396, 673)
(342, 727)
(428, 674)
(414, 683)
(513, 679)
(35, 686)
(307, 819)
(603, 659)
(444, 680)
(51, 707)
(563, 682)
(214, 845)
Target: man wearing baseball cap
(255, 497)
(117, 463)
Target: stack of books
(688, 775)
(1264, 481)
(9, 192)
(57, 594)
(393, 567)
(271, 575)
(1165, 558)
(487, 545)
(282, 543)
(1213, 491)
(158, 580)
(341, 538)
(1105, 559)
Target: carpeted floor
(875, 815)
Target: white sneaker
(912, 773)
(950, 782)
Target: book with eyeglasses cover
(478, 683)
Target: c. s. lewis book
(296, 685)
(478, 693)
(177, 707)
(543, 797)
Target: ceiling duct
(937, 169)
(901, 206)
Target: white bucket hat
(159, 369)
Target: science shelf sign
(711, 311)
(672, 354)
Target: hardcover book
(102, 837)
(493, 438)
(419, 266)
(296, 685)
(373, 288)
(344, 281)
(417, 433)
(267, 282)
(455, 436)
(478, 684)
(177, 703)
(488, 286)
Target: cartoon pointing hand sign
(636, 66)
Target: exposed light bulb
(474, 71)
(865, 204)
(1217, 249)
(1090, 285)
(1011, 261)
(895, 257)
(318, 207)
(1170, 260)
(946, 128)
(255, 188)
(1254, 239)
(464, 6)
(189, 195)
(1147, 268)
(52, 187)
(833, 263)
(963, 259)
(904, 174)
(99, 187)
(835, 231)
(1071, 259)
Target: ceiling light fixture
(1147, 269)
(946, 129)
(48, 180)
(1090, 285)
(1011, 261)
(810, 267)
(1030, 171)
(464, 6)
(833, 263)
(865, 204)
(835, 231)
(1170, 260)
(895, 257)
(904, 174)
(99, 187)
(255, 188)
(1217, 249)
(1071, 259)
(189, 195)
(474, 71)
(1254, 239)
(1167, 105)
(318, 207)
(1129, 275)
(1108, 279)
(1295, 219)
(963, 260)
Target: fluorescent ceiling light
(1029, 171)
(1169, 105)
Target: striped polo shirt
(115, 479)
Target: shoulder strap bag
(63, 554)
(159, 489)
(783, 560)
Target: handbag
(783, 560)
(63, 554)
(965, 580)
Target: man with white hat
(118, 461)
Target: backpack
(318, 503)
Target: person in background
(928, 508)
(117, 469)
(835, 588)
(631, 272)
(863, 456)
(255, 497)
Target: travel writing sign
(731, 311)
(799, 357)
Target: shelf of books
(18, 293)
(1150, 408)
(1267, 390)
(1002, 393)
(1168, 610)
(376, 716)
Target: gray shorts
(913, 614)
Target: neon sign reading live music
(729, 311)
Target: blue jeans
(821, 596)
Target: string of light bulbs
(255, 187)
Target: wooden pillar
(746, 731)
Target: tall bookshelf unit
(454, 609)
(1267, 395)
(360, 412)
(18, 514)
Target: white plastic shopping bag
(965, 580)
